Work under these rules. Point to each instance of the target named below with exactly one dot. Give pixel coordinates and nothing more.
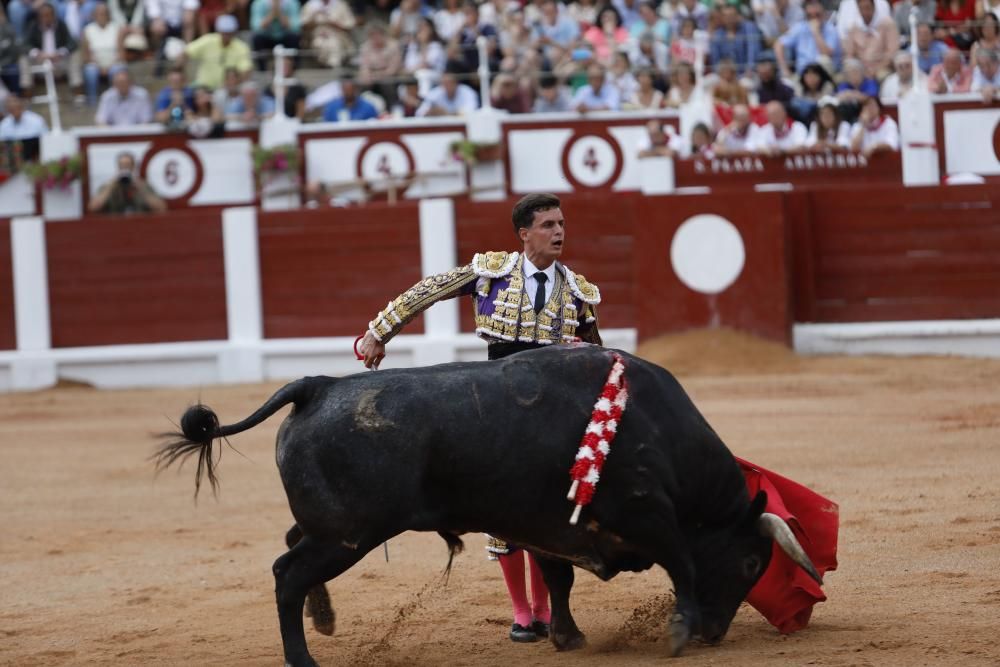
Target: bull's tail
(200, 428)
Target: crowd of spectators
(783, 66)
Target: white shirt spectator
(848, 16)
(448, 23)
(171, 11)
(979, 80)
(884, 131)
(675, 142)
(792, 137)
(892, 89)
(433, 56)
(842, 137)
(103, 43)
(734, 141)
(30, 126)
(465, 101)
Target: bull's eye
(751, 566)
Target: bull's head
(731, 561)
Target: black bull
(487, 447)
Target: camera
(125, 180)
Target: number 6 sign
(173, 173)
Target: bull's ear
(757, 507)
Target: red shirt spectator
(956, 17)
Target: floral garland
(472, 152)
(277, 160)
(596, 443)
(55, 173)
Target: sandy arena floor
(100, 563)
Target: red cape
(785, 595)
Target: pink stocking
(539, 593)
(513, 575)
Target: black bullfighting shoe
(519, 633)
(540, 629)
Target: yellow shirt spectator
(216, 52)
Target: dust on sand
(101, 563)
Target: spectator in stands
(874, 132)
(379, 63)
(21, 12)
(812, 40)
(76, 14)
(583, 12)
(10, 55)
(170, 18)
(350, 105)
(737, 39)
(951, 76)
(408, 95)
(648, 52)
(598, 94)
(274, 22)
(901, 15)
(131, 16)
(874, 42)
(986, 77)
(329, 23)
(645, 96)
(701, 142)
(828, 132)
(101, 50)
(738, 136)
(126, 192)
(776, 17)
(216, 52)
(518, 51)
(551, 97)
(954, 22)
(251, 106)
(463, 46)
(989, 36)
(406, 19)
(780, 135)
(123, 104)
(930, 51)
(690, 9)
(294, 93)
(769, 85)
(620, 76)
(684, 48)
(21, 123)
(849, 16)
(449, 19)
(903, 79)
(449, 98)
(205, 119)
(661, 141)
(608, 35)
(49, 40)
(728, 89)
(651, 23)
(506, 95)
(173, 102)
(557, 34)
(682, 85)
(210, 10)
(228, 91)
(854, 89)
(425, 53)
(628, 10)
(814, 84)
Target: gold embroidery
(495, 264)
(418, 298)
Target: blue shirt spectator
(21, 123)
(597, 94)
(650, 22)
(801, 45)
(350, 105)
(869, 87)
(930, 51)
(737, 40)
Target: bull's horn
(772, 525)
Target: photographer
(126, 193)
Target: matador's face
(543, 241)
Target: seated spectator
(449, 98)
(770, 86)
(551, 96)
(776, 17)
(449, 19)
(100, 49)
(123, 104)
(10, 55)
(21, 123)
(405, 20)
(518, 51)
(648, 52)
(628, 10)
(954, 22)
(690, 9)
(173, 102)
(170, 18)
(608, 35)
(126, 192)
(350, 105)
(737, 40)
(649, 22)
(329, 23)
(875, 131)
(951, 76)
(828, 132)
(986, 77)
(728, 89)
(294, 93)
(130, 15)
(902, 80)
(812, 40)
(814, 84)
(505, 94)
(557, 34)
(408, 96)
(598, 94)
(425, 53)
(274, 22)
(645, 95)
(463, 45)
(989, 37)
(250, 107)
(701, 142)
(849, 16)
(216, 52)
(49, 40)
(901, 15)
(229, 91)
(682, 85)
(205, 119)
(737, 137)
(379, 63)
(620, 76)
(583, 12)
(874, 42)
(76, 14)
(780, 135)
(854, 89)
(930, 51)
(684, 48)
(661, 141)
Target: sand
(101, 563)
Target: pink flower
(280, 162)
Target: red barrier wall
(136, 280)
(328, 272)
(8, 330)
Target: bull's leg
(558, 577)
(318, 600)
(310, 563)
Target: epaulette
(494, 264)
(581, 289)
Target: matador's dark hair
(524, 211)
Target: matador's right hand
(373, 350)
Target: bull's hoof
(679, 634)
(568, 642)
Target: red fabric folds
(785, 595)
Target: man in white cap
(215, 52)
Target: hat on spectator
(828, 101)
(226, 23)
(135, 42)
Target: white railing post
(914, 48)
(34, 369)
(279, 80)
(484, 73)
(51, 97)
(243, 360)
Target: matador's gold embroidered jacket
(504, 311)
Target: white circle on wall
(171, 173)
(592, 161)
(382, 161)
(707, 253)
